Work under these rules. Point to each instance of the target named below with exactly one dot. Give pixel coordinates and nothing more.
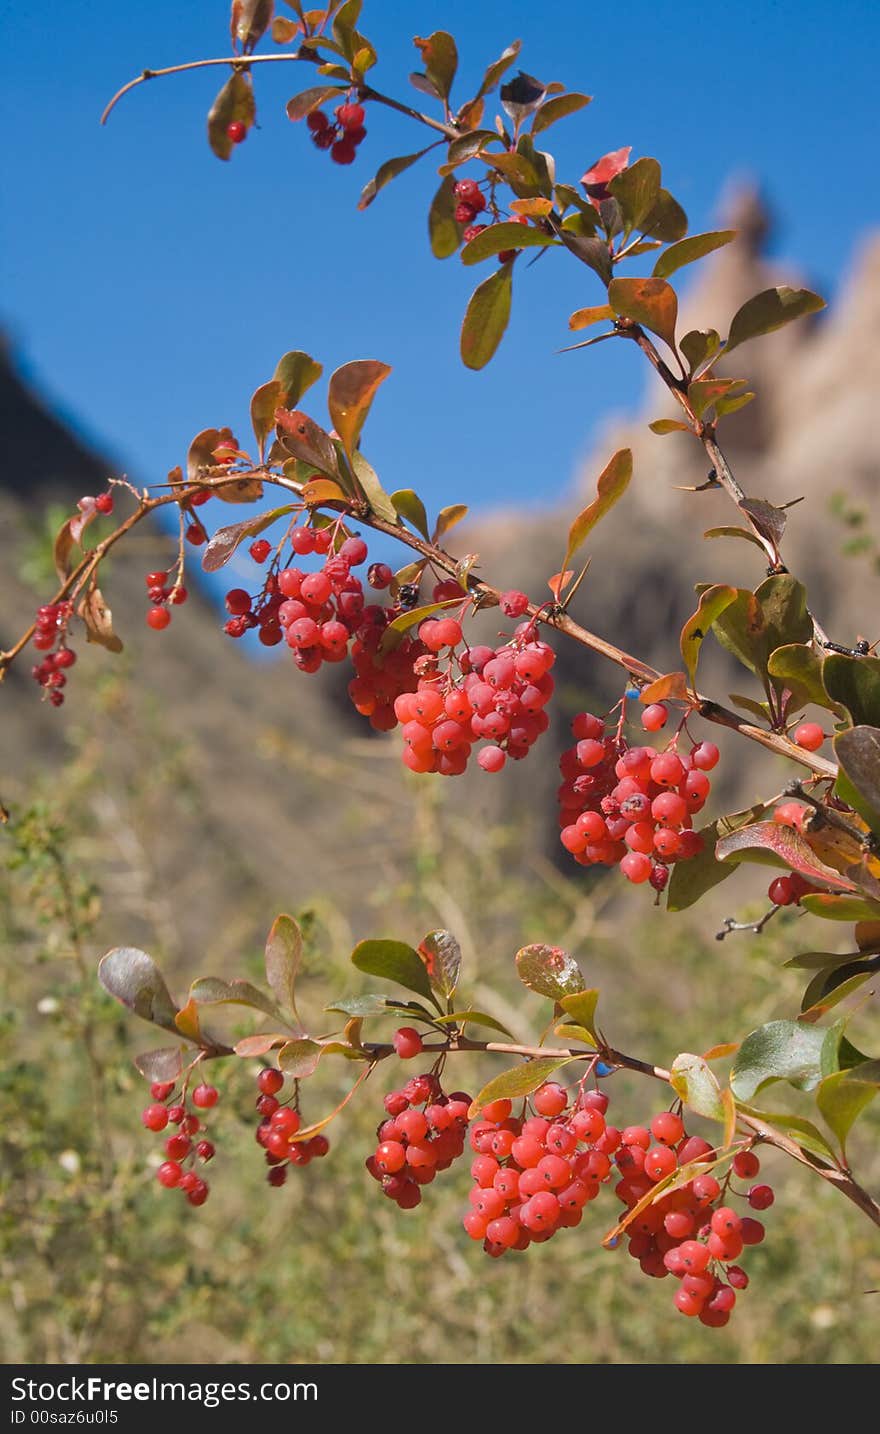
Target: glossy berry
(407, 1042)
(104, 502)
(654, 717)
(810, 736)
(236, 132)
(155, 1117)
(761, 1197)
(270, 1081)
(168, 1174)
(158, 618)
(204, 1096)
(351, 116)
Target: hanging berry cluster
(277, 1128)
(178, 1171)
(50, 638)
(342, 138)
(632, 807)
(424, 1133)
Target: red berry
(158, 618)
(155, 1117)
(104, 502)
(160, 1090)
(550, 1099)
(810, 736)
(169, 1174)
(270, 1081)
(469, 192)
(781, 891)
(204, 1096)
(746, 1164)
(343, 151)
(667, 1128)
(351, 116)
(705, 756)
(514, 603)
(236, 132)
(761, 1197)
(654, 717)
(205, 1150)
(407, 1042)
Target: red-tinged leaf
(691, 879)
(134, 979)
(549, 971)
(694, 1082)
(606, 168)
(773, 845)
(385, 173)
(519, 1081)
(225, 541)
(663, 426)
(235, 104)
(252, 1047)
(441, 954)
(713, 602)
(440, 58)
(704, 392)
(322, 490)
(499, 238)
(98, 620)
(303, 438)
(672, 686)
(651, 303)
(613, 482)
(486, 318)
(583, 318)
(560, 107)
(840, 908)
(409, 505)
(636, 189)
(443, 231)
(163, 1065)
(312, 99)
(447, 518)
(283, 954)
(770, 310)
(558, 582)
(352, 390)
(284, 30)
(686, 251)
(187, 1022)
(252, 19)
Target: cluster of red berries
(535, 1173)
(162, 595)
(496, 695)
(688, 1232)
(424, 1133)
(278, 1125)
(343, 137)
(177, 1171)
(51, 629)
(471, 202)
(631, 807)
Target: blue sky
(149, 287)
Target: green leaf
(798, 667)
(374, 1005)
(225, 541)
(352, 390)
(299, 1059)
(740, 629)
(780, 1050)
(557, 108)
(311, 99)
(519, 1081)
(475, 1018)
(612, 484)
(235, 104)
(549, 971)
(296, 372)
(409, 505)
(840, 908)
(441, 954)
(411, 618)
(728, 532)
(380, 502)
(699, 345)
(209, 991)
(713, 602)
(771, 844)
(854, 682)
(858, 752)
(486, 318)
(499, 237)
(590, 251)
(667, 220)
(828, 988)
(582, 1007)
(693, 878)
(133, 978)
(733, 404)
(770, 310)
(662, 426)
(440, 58)
(784, 609)
(498, 68)
(385, 173)
(686, 251)
(469, 145)
(444, 232)
(394, 961)
(636, 190)
(842, 1097)
(796, 1127)
(694, 1082)
(651, 303)
(266, 399)
(284, 946)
